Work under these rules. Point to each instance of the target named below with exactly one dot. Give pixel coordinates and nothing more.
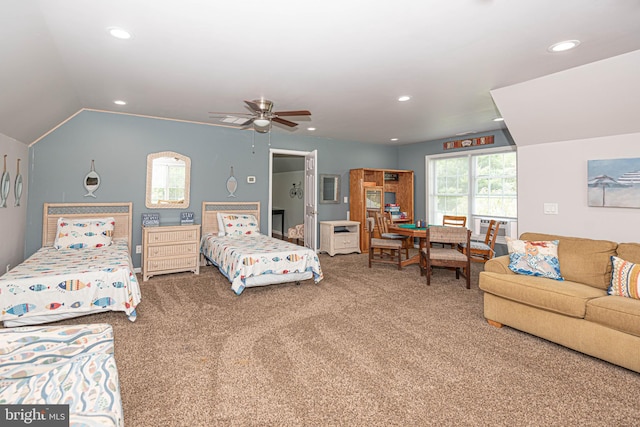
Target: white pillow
(220, 224)
(77, 233)
(238, 225)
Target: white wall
(294, 207)
(557, 173)
(13, 219)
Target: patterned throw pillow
(625, 278)
(534, 258)
(240, 225)
(84, 233)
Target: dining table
(411, 230)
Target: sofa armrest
(498, 265)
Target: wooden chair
(390, 250)
(382, 221)
(454, 220)
(445, 256)
(484, 251)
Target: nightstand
(339, 237)
(170, 249)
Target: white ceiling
(346, 61)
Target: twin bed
(232, 242)
(70, 281)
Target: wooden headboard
(210, 210)
(121, 212)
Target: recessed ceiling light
(119, 33)
(394, 139)
(311, 129)
(498, 119)
(404, 98)
(564, 45)
(120, 102)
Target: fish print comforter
(72, 365)
(241, 257)
(56, 281)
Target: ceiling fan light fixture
(262, 122)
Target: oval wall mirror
(168, 180)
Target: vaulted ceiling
(345, 61)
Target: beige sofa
(577, 312)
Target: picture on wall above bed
(614, 183)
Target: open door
(310, 193)
(310, 200)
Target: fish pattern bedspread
(72, 365)
(71, 281)
(241, 257)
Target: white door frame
(273, 151)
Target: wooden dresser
(339, 237)
(170, 249)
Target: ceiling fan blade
(255, 107)
(238, 121)
(218, 113)
(293, 113)
(284, 122)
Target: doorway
(293, 193)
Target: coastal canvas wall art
(614, 183)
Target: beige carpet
(365, 347)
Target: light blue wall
(411, 157)
(119, 144)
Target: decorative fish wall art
(5, 183)
(232, 184)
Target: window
(478, 184)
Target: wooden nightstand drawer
(172, 264)
(159, 236)
(172, 250)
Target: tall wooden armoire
(370, 190)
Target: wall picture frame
(613, 183)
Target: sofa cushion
(625, 278)
(629, 251)
(620, 313)
(582, 260)
(568, 298)
(534, 258)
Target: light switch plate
(346, 199)
(551, 209)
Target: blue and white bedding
(59, 283)
(242, 257)
(72, 365)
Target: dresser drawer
(172, 250)
(171, 236)
(345, 240)
(156, 265)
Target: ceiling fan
(261, 115)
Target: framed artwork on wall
(614, 183)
